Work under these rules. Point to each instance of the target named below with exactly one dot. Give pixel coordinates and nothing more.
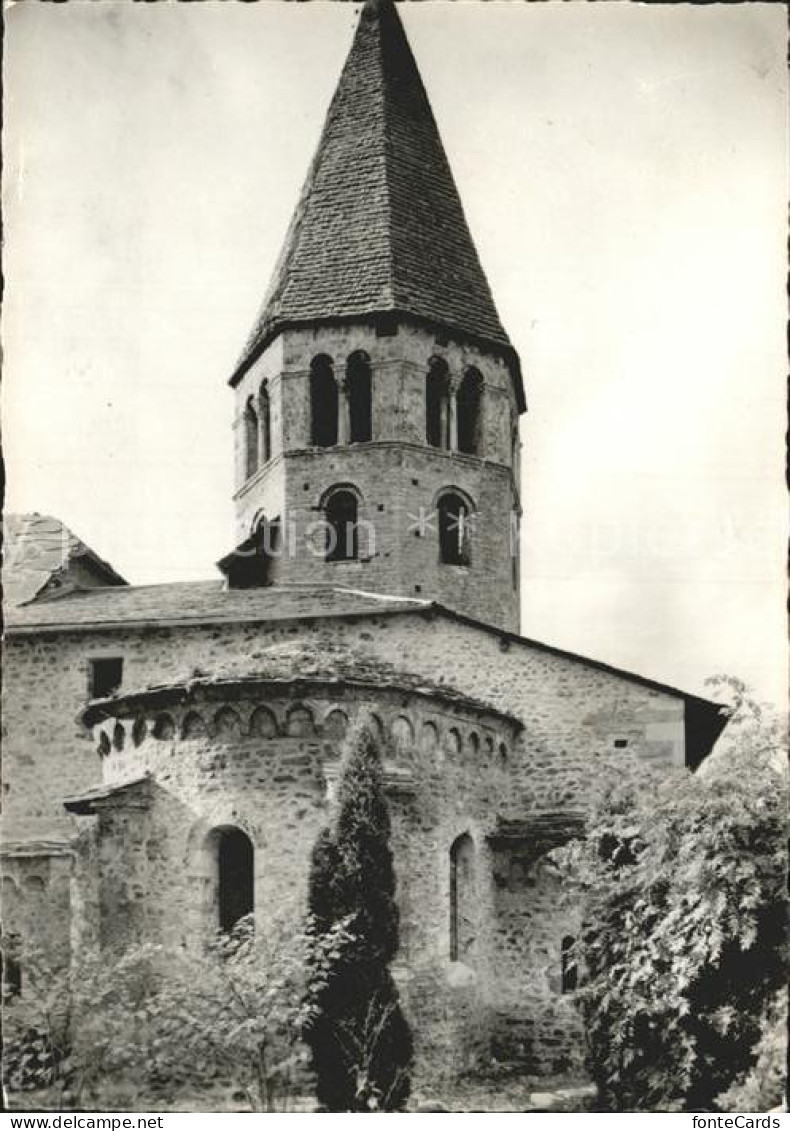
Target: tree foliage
(684, 940)
(162, 1021)
(360, 1040)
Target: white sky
(624, 172)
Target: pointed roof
(42, 557)
(379, 227)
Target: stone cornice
(303, 686)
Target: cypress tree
(360, 1040)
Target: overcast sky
(624, 174)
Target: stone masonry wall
(572, 716)
(398, 475)
(267, 764)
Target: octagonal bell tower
(378, 396)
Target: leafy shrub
(684, 941)
(763, 1086)
(158, 1019)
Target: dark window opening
(323, 402)
(235, 856)
(620, 743)
(462, 898)
(470, 413)
(454, 530)
(342, 535)
(437, 405)
(569, 969)
(251, 440)
(10, 967)
(251, 565)
(360, 398)
(164, 727)
(265, 424)
(620, 851)
(274, 540)
(105, 677)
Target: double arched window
(455, 516)
(257, 431)
(341, 415)
(454, 418)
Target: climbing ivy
(684, 938)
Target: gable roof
(196, 602)
(379, 227)
(211, 602)
(41, 553)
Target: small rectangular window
(106, 676)
(620, 743)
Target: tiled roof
(290, 664)
(379, 226)
(199, 601)
(208, 602)
(83, 803)
(38, 548)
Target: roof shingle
(379, 227)
(198, 601)
(39, 550)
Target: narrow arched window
(360, 398)
(235, 877)
(470, 413)
(437, 404)
(10, 967)
(569, 970)
(264, 405)
(455, 526)
(251, 440)
(463, 898)
(341, 515)
(323, 402)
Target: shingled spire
(379, 227)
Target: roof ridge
(375, 7)
(379, 229)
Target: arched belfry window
(437, 404)
(235, 858)
(341, 513)
(360, 398)
(470, 413)
(264, 404)
(463, 898)
(251, 439)
(455, 529)
(323, 402)
(569, 969)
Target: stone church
(170, 750)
